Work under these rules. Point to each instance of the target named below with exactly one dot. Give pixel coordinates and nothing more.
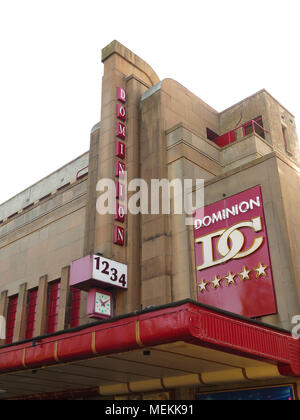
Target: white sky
(51, 70)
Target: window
(287, 145)
(211, 135)
(11, 318)
(53, 304)
(258, 127)
(75, 307)
(31, 313)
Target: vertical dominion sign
(233, 263)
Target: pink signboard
(121, 131)
(94, 271)
(121, 95)
(234, 271)
(120, 150)
(121, 112)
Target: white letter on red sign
(120, 169)
(121, 95)
(121, 131)
(121, 112)
(120, 150)
(120, 213)
(119, 236)
(120, 191)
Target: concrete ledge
(244, 151)
(230, 157)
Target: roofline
(42, 179)
(255, 94)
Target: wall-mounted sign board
(96, 271)
(233, 263)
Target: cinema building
(145, 306)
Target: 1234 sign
(111, 273)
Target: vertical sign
(120, 166)
(233, 263)
(120, 150)
(121, 95)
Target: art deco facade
(162, 339)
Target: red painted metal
(53, 303)
(230, 137)
(252, 297)
(186, 321)
(78, 176)
(11, 318)
(75, 307)
(226, 139)
(31, 313)
(253, 123)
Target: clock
(103, 304)
(99, 304)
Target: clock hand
(104, 303)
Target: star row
(244, 275)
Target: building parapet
(45, 187)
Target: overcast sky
(51, 70)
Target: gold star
(261, 271)
(230, 278)
(245, 274)
(202, 286)
(216, 282)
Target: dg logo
(231, 243)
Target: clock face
(103, 304)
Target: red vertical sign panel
(31, 313)
(121, 95)
(11, 319)
(75, 308)
(233, 263)
(53, 303)
(121, 131)
(119, 236)
(121, 112)
(120, 150)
